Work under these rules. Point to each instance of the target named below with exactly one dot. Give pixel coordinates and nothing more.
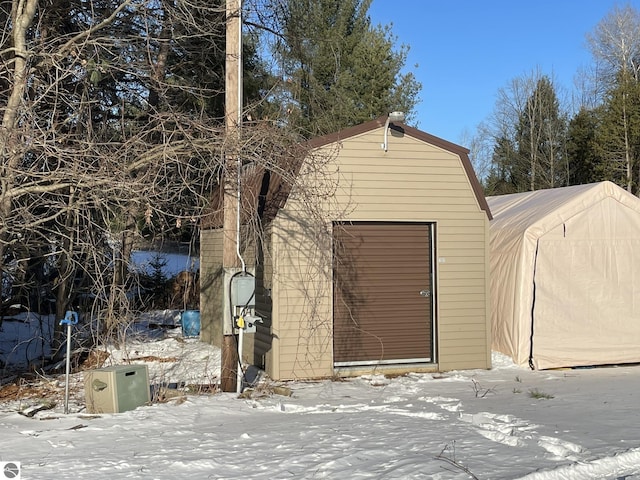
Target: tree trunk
(22, 13)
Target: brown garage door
(382, 293)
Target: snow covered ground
(507, 423)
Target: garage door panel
(379, 314)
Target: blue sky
(466, 50)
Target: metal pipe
(67, 370)
(70, 318)
(239, 120)
(240, 374)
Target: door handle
(425, 293)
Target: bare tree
(615, 43)
(529, 117)
(113, 132)
(615, 46)
(111, 127)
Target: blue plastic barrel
(190, 320)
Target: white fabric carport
(565, 276)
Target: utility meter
(243, 299)
(243, 289)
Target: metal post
(67, 371)
(240, 373)
(70, 318)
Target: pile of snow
(171, 360)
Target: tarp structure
(565, 276)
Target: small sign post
(70, 318)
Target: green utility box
(116, 389)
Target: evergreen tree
(615, 46)
(618, 137)
(584, 162)
(504, 176)
(338, 70)
(540, 137)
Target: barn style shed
(565, 276)
(378, 262)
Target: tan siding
(296, 353)
(412, 182)
(211, 285)
(409, 174)
(457, 276)
(466, 277)
(452, 233)
(464, 327)
(466, 337)
(458, 353)
(460, 334)
(398, 211)
(460, 269)
(457, 264)
(462, 247)
(476, 298)
(302, 328)
(432, 158)
(404, 191)
(264, 283)
(377, 201)
(472, 225)
(378, 209)
(406, 162)
(472, 309)
(386, 185)
(470, 315)
(465, 288)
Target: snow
(504, 423)
(173, 263)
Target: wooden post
(230, 260)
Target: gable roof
(425, 137)
(264, 188)
(539, 211)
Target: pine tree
(540, 137)
(615, 45)
(584, 162)
(618, 137)
(505, 176)
(339, 70)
